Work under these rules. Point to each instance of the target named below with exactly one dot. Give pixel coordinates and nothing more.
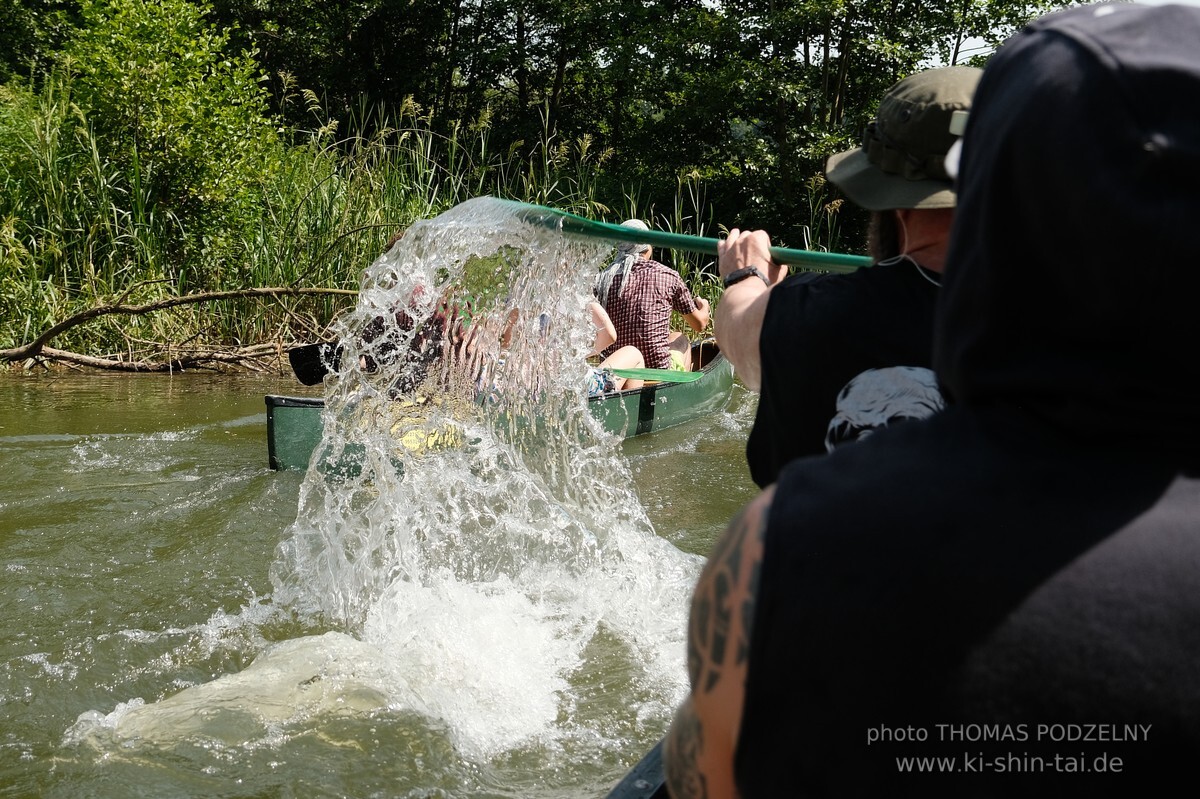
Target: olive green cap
(901, 163)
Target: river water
(139, 524)
(180, 621)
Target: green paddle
(311, 362)
(579, 226)
(661, 375)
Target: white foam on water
(291, 681)
(484, 659)
(129, 452)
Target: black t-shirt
(1027, 561)
(821, 331)
(974, 587)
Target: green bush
(182, 119)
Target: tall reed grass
(76, 233)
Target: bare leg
(628, 357)
(679, 342)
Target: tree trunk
(451, 57)
(560, 77)
(837, 111)
(827, 101)
(960, 31)
(780, 51)
(522, 59)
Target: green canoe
(294, 425)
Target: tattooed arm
(703, 737)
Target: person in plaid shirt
(639, 294)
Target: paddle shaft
(311, 363)
(579, 226)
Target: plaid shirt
(642, 313)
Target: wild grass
(76, 232)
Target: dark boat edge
(645, 780)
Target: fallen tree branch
(245, 357)
(38, 346)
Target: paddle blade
(312, 362)
(661, 375)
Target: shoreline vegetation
(98, 272)
(171, 197)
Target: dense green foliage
(751, 96)
(175, 113)
(156, 148)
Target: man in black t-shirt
(1000, 601)
(800, 341)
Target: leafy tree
(761, 92)
(747, 99)
(33, 31)
(179, 114)
(350, 54)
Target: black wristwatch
(741, 274)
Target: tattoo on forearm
(722, 614)
(748, 606)
(713, 609)
(699, 621)
(682, 761)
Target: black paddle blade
(312, 362)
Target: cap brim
(868, 186)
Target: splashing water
(482, 560)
